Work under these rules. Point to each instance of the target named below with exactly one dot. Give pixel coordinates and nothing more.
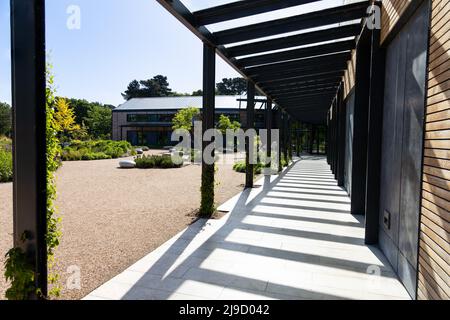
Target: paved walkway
(291, 238)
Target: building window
(232, 116)
(149, 118)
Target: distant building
(148, 121)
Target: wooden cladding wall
(390, 13)
(434, 250)
(349, 76)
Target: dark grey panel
(402, 146)
(416, 58)
(392, 134)
(349, 143)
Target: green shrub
(153, 162)
(5, 143)
(96, 150)
(6, 166)
(240, 166)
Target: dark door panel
(402, 145)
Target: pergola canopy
(299, 72)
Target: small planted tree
(64, 119)
(184, 118)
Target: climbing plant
(18, 270)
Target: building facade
(148, 121)
(414, 197)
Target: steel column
(341, 119)
(374, 140)
(29, 135)
(281, 134)
(249, 163)
(362, 89)
(269, 127)
(209, 91)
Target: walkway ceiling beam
(319, 50)
(241, 9)
(313, 19)
(301, 79)
(294, 93)
(288, 77)
(309, 70)
(303, 84)
(308, 63)
(302, 39)
(296, 88)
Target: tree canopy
(94, 118)
(158, 86)
(64, 118)
(231, 86)
(225, 124)
(184, 118)
(5, 119)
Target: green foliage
(6, 166)
(20, 273)
(231, 86)
(96, 150)
(93, 118)
(158, 86)
(53, 153)
(183, 119)
(64, 120)
(241, 167)
(154, 161)
(98, 122)
(5, 119)
(197, 93)
(207, 205)
(225, 124)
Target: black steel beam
(309, 86)
(306, 71)
(29, 135)
(302, 93)
(297, 89)
(304, 21)
(318, 50)
(180, 12)
(360, 123)
(302, 97)
(302, 39)
(374, 140)
(250, 124)
(308, 63)
(303, 79)
(240, 9)
(209, 92)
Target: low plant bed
(155, 162)
(240, 166)
(96, 150)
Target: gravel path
(113, 217)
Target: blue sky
(123, 40)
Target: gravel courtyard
(113, 217)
